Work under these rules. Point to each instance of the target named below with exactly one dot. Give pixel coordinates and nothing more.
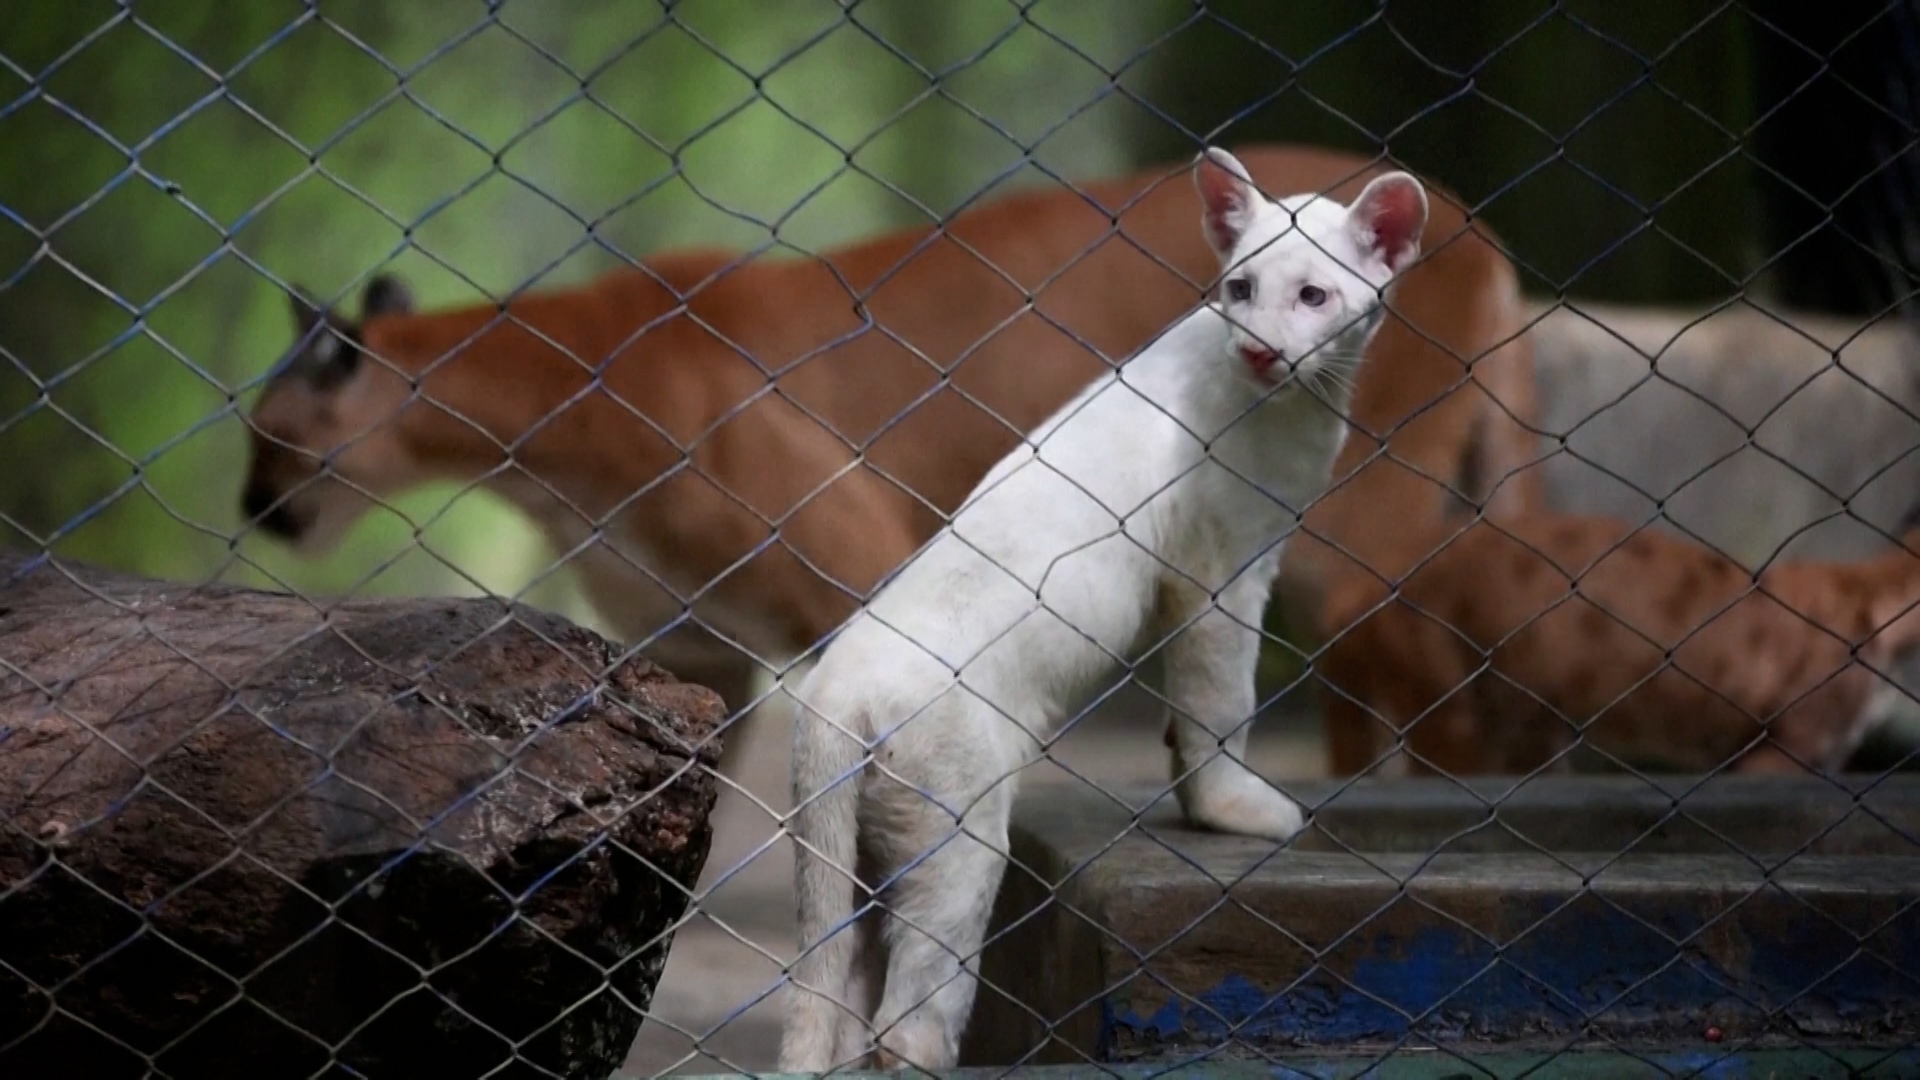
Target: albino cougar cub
(1151, 508)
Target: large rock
(244, 834)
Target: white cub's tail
(824, 827)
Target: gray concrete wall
(1758, 429)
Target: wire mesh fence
(402, 360)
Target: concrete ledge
(1577, 819)
(1528, 931)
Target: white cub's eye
(1312, 295)
(1240, 289)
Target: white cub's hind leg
(864, 979)
(937, 914)
(1209, 669)
(827, 767)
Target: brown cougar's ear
(306, 311)
(1909, 521)
(385, 295)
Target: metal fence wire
(588, 325)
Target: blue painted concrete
(1770, 965)
(1800, 1064)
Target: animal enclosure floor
(715, 1009)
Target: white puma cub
(1149, 511)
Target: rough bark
(244, 834)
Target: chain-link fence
(426, 372)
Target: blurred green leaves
(161, 163)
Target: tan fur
(685, 415)
(1578, 616)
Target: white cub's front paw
(1243, 803)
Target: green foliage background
(156, 159)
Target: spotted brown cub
(1665, 653)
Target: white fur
(1149, 511)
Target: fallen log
(247, 834)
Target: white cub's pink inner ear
(1228, 199)
(1389, 217)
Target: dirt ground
(717, 1009)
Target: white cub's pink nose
(1259, 358)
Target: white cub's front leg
(1209, 682)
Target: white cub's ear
(1387, 219)
(1229, 198)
